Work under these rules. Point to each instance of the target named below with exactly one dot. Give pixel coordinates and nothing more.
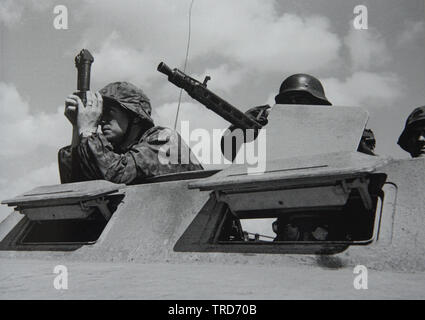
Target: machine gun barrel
(83, 63)
(199, 92)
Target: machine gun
(83, 63)
(199, 92)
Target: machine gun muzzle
(163, 68)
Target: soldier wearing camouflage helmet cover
(412, 139)
(127, 147)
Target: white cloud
(197, 115)
(22, 136)
(413, 30)
(363, 89)
(10, 188)
(256, 38)
(11, 10)
(259, 39)
(271, 99)
(367, 48)
(223, 78)
(22, 133)
(115, 59)
(42, 176)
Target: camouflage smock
(95, 158)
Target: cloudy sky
(247, 47)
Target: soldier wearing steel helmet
(126, 148)
(301, 89)
(367, 142)
(296, 89)
(306, 89)
(412, 139)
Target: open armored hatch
(341, 190)
(64, 216)
(312, 177)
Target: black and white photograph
(212, 154)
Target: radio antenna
(185, 61)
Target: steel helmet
(130, 98)
(302, 83)
(417, 116)
(369, 136)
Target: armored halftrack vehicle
(312, 173)
(373, 208)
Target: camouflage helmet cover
(302, 83)
(129, 97)
(416, 117)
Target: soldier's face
(300, 98)
(417, 142)
(114, 123)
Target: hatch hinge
(362, 185)
(101, 203)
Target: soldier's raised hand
(71, 107)
(88, 117)
(259, 114)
